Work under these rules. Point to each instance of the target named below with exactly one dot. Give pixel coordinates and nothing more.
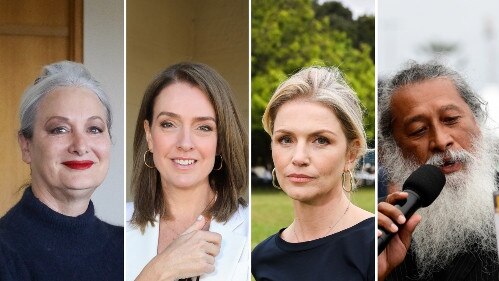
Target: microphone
(423, 185)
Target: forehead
(183, 99)
(303, 116)
(71, 101)
(430, 96)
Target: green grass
(272, 210)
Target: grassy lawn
(272, 210)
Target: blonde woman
(315, 122)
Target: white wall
(103, 55)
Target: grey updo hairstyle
(59, 74)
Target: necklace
(205, 208)
(329, 229)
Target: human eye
(320, 140)
(205, 128)
(59, 130)
(95, 130)
(166, 124)
(284, 139)
(450, 120)
(417, 132)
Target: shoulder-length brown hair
(229, 182)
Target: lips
(299, 178)
(78, 165)
(450, 166)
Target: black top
(37, 243)
(466, 266)
(345, 255)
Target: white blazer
(232, 263)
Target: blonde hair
(326, 86)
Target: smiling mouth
(184, 162)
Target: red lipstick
(78, 165)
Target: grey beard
(462, 218)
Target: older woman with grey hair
(53, 233)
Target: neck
(70, 203)
(188, 204)
(313, 221)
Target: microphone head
(427, 181)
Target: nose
(441, 140)
(301, 156)
(79, 145)
(184, 141)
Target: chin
(302, 194)
(82, 183)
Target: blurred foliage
(288, 35)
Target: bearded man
(428, 114)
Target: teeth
(448, 163)
(184, 162)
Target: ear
(25, 145)
(351, 156)
(147, 129)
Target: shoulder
(264, 247)
(12, 266)
(237, 223)
(361, 236)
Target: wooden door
(33, 33)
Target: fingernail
(401, 219)
(394, 228)
(200, 217)
(379, 232)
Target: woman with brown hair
(189, 173)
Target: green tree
(360, 31)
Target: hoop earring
(274, 180)
(343, 181)
(221, 163)
(145, 162)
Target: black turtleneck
(37, 243)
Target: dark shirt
(37, 243)
(466, 266)
(345, 255)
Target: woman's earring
(343, 175)
(145, 161)
(274, 179)
(352, 179)
(221, 163)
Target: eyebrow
(175, 115)
(450, 107)
(65, 119)
(313, 133)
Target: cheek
(162, 143)
(208, 146)
(279, 157)
(102, 148)
(329, 163)
(417, 150)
